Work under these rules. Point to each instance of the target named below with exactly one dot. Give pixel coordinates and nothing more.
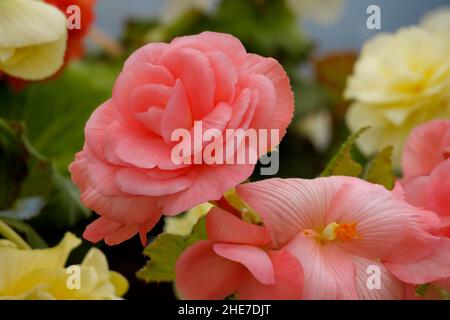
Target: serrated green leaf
(380, 170)
(164, 251)
(343, 163)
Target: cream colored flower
(33, 38)
(182, 225)
(40, 274)
(438, 21)
(400, 80)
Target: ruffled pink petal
(226, 76)
(390, 287)
(329, 271)
(132, 77)
(439, 188)
(100, 120)
(177, 114)
(267, 100)
(115, 207)
(193, 69)
(202, 274)
(125, 147)
(288, 284)
(150, 53)
(424, 148)
(289, 206)
(152, 119)
(211, 182)
(432, 268)
(253, 258)
(240, 107)
(284, 110)
(136, 182)
(219, 223)
(211, 42)
(147, 95)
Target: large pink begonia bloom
(125, 171)
(338, 226)
(426, 184)
(238, 258)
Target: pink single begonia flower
(238, 258)
(426, 184)
(126, 172)
(341, 229)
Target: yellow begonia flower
(33, 39)
(400, 81)
(40, 273)
(182, 225)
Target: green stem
(13, 236)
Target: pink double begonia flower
(126, 172)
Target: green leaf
(31, 236)
(343, 163)
(55, 112)
(380, 170)
(64, 207)
(13, 165)
(164, 251)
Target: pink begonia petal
(124, 146)
(284, 110)
(443, 283)
(177, 114)
(439, 188)
(424, 147)
(210, 184)
(219, 224)
(288, 284)
(267, 100)
(384, 222)
(134, 76)
(136, 182)
(329, 271)
(193, 69)
(390, 287)
(211, 42)
(253, 258)
(289, 206)
(152, 119)
(147, 95)
(150, 53)
(226, 77)
(416, 191)
(202, 274)
(240, 107)
(95, 128)
(114, 232)
(432, 268)
(115, 207)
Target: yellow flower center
(343, 232)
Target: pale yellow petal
(25, 23)
(36, 62)
(119, 282)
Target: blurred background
(317, 41)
